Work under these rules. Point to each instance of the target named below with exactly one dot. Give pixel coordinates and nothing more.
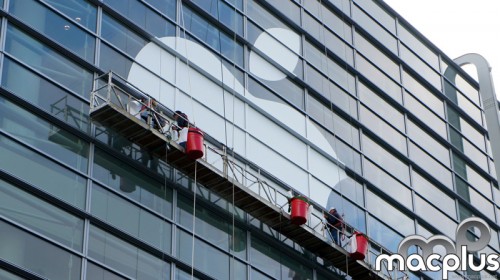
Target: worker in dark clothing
(333, 223)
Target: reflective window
(430, 192)
(329, 19)
(124, 257)
(389, 214)
(472, 176)
(428, 143)
(49, 138)
(81, 11)
(182, 275)
(112, 60)
(331, 91)
(273, 262)
(206, 257)
(329, 119)
(330, 68)
(377, 31)
(423, 94)
(381, 107)
(121, 37)
(5, 274)
(211, 35)
(435, 217)
(387, 184)
(344, 152)
(95, 272)
(43, 173)
(138, 13)
(383, 17)
(418, 47)
(452, 76)
(378, 78)
(437, 170)
(167, 7)
(383, 130)
(376, 56)
(55, 27)
(469, 149)
(465, 104)
(353, 215)
(48, 62)
(482, 204)
(383, 158)
(425, 115)
(284, 87)
(328, 39)
(59, 103)
(132, 183)
(270, 52)
(224, 13)
(40, 216)
(466, 128)
(130, 218)
(288, 8)
(383, 235)
(420, 67)
(36, 255)
(212, 227)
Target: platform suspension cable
(226, 158)
(339, 232)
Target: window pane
(133, 183)
(206, 257)
(38, 133)
(383, 130)
(382, 157)
(131, 219)
(376, 56)
(95, 272)
(42, 172)
(381, 107)
(378, 78)
(82, 11)
(36, 255)
(374, 29)
(426, 115)
(55, 27)
(40, 216)
(224, 13)
(120, 36)
(48, 62)
(422, 69)
(423, 94)
(428, 143)
(389, 214)
(430, 192)
(115, 253)
(138, 13)
(35, 89)
(437, 170)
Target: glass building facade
(341, 100)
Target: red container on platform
(299, 211)
(359, 246)
(194, 145)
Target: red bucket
(299, 211)
(194, 145)
(359, 246)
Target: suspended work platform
(111, 107)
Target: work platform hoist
(114, 106)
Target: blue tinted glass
(55, 27)
(59, 103)
(38, 133)
(41, 172)
(209, 34)
(120, 36)
(48, 62)
(167, 7)
(143, 16)
(224, 13)
(81, 11)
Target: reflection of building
(343, 101)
